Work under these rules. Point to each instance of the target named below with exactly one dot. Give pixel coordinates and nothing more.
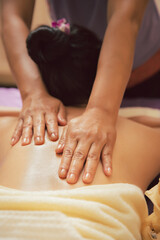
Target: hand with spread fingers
(87, 139)
(38, 112)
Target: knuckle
(88, 135)
(18, 129)
(106, 159)
(100, 137)
(106, 154)
(72, 122)
(68, 152)
(93, 157)
(73, 134)
(94, 134)
(50, 122)
(104, 136)
(62, 140)
(27, 125)
(65, 166)
(38, 122)
(19, 123)
(108, 149)
(107, 162)
(79, 155)
(16, 134)
(74, 171)
(91, 170)
(28, 112)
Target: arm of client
(39, 108)
(93, 134)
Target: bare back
(136, 158)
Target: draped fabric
(113, 211)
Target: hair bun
(47, 44)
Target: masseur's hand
(87, 138)
(39, 111)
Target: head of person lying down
(67, 62)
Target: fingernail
(63, 173)
(54, 136)
(62, 120)
(12, 141)
(25, 140)
(71, 178)
(38, 139)
(60, 146)
(108, 171)
(88, 177)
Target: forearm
(25, 71)
(145, 71)
(115, 63)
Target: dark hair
(67, 62)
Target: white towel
(107, 212)
(151, 224)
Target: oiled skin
(136, 158)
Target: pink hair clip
(62, 25)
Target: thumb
(62, 119)
(61, 143)
(107, 154)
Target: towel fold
(151, 224)
(113, 211)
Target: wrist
(38, 93)
(99, 110)
(109, 109)
(35, 91)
